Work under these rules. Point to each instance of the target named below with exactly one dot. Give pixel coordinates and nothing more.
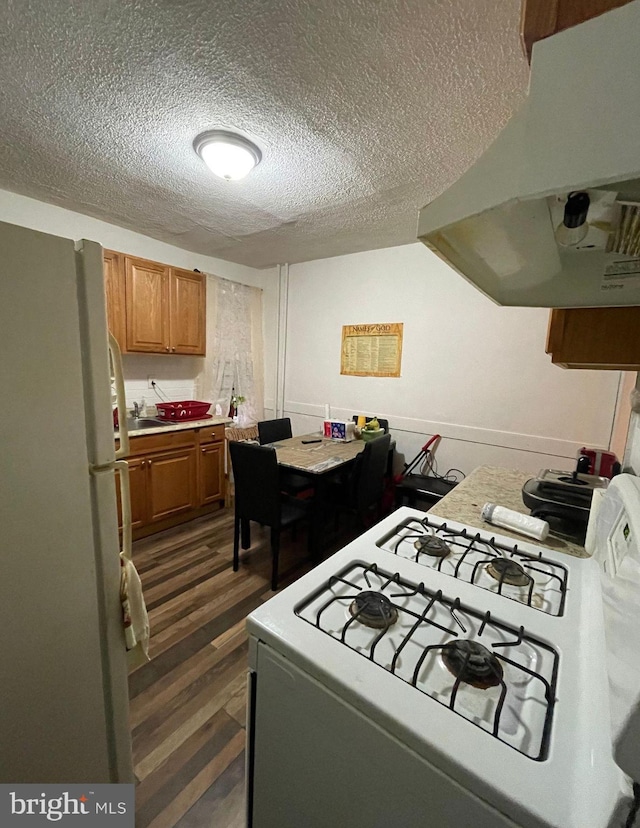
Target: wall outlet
(150, 381)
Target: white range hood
(579, 130)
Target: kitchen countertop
(491, 484)
(179, 426)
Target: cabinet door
(542, 18)
(147, 298)
(138, 486)
(211, 473)
(605, 338)
(115, 292)
(187, 317)
(171, 477)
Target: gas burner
(373, 609)
(508, 571)
(472, 663)
(488, 562)
(432, 545)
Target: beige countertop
(178, 426)
(491, 484)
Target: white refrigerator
(63, 683)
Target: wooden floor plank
(158, 790)
(188, 703)
(157, 697)
(179, 703)
(221, 801)
(232, 755)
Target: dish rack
(183, 410)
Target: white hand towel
(134, 614)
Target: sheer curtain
(234, 349)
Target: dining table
(318, 458)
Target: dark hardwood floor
(188, 702)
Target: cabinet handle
(173, 349)
(143, 462)
(204, 451)
(167, 348)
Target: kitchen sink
(145, 422)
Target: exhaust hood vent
(549, 216)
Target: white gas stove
(432, 675)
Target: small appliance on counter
(563, 498)
(603, 463)
(342, 430)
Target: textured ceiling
(364, 111)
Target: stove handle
(252, 682)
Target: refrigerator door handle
(122, 467)
(118, 382)
(125, 501)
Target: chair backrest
(368, 475)
(257, 487)
(270, 431)
(383, 423)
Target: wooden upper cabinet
(542, 18)
(606, 338)
(147, 306)
(153, 308)
(115, 292)
(188, 312)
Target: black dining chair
(271, 431)
(362, 489)
(258, 498)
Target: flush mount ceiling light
(226, 154)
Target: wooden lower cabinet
(174, 477)
(211, 473)
(138, 489)
(138, 486)
(171, 480)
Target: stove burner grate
(467, 659)
(466, 555)
(432, 545)
(508, 571)
(373, 609)
(472, 663)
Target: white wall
(631, 461)
(175, 374)
(472, 371)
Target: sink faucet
(136, 411)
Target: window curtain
(235, 351)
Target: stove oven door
(313, 761)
